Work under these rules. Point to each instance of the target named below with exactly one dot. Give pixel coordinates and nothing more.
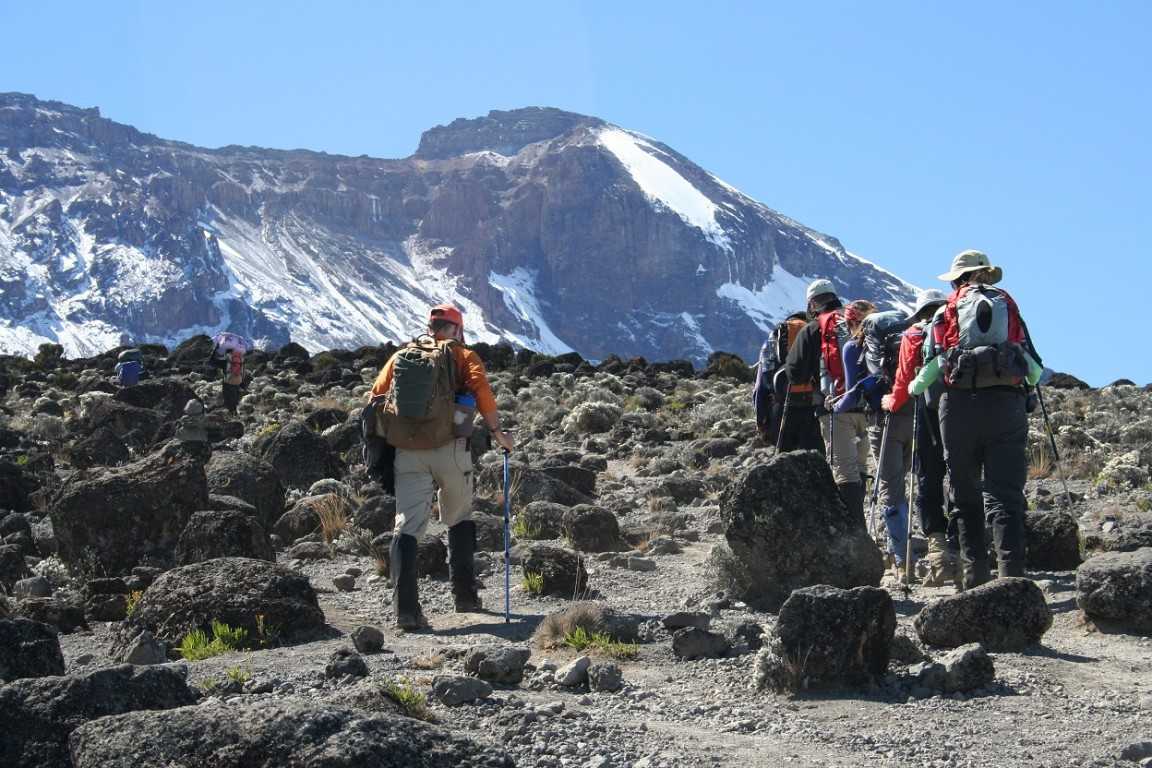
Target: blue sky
(909, 130)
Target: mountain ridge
(551, 229)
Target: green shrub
(196, 646)
(533, 582)
(411, 702)
(580, 639)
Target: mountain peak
(505, 132)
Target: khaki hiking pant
(848, 452)
(893, 466)
(418, 476)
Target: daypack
(981, 338)
(417, 412)
(833, 335)
(234, 369)
(130, 355)
(882, 335)
(128, 373)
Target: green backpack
(417, 412)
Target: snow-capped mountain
(549, 229)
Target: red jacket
(911, 359)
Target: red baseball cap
(446, 312)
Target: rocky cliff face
(550, 229)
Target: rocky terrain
(189, 587)
(548, 228)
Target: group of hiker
(228, 350)
(941, 390)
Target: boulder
(1002, 615)
(122, 515)
(28, 649)
(695, 643)
(102, 448)
(826, 636)
(267, 733)
(15, 488)
(261, 597)
(33, 586)
(145, 650)
(686, 619)
(299, 456)
(1053, 541)
(489, 532)
(222, 533)
(368, 639)
(583, 480)
(167, 395)
(562, 570)
(504, 665)
(1114, 590)
(12, 566)
(48, 709)
(605, 677)
(529, 484)
(247, 477)
(106, 607)
(574, 673)
(592, 529)
(785, 528)
(542, 520)
(137, 427)
(65, 616)
(454, 690)
(346, 662)
(376, 513)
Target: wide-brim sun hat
(928, 298)
(972, 261)
(818, 288)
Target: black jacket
(803, 364)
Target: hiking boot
(976, 573)
(940, 564)
(462, 567)
(405, 587)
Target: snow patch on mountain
(663, 184)
(519, 291)
(770, 303)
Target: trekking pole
(911, 496)
(872, 524)
(1055, 450)
(507, 547)
(783, 420)
(832, 440)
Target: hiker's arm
(476, 382)
(1035, 370)
(384, 379)
(852, 377)
(927, 377)
(911, 345)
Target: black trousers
(985, 434)
(801, 428)
(931, 502)
(231, 396)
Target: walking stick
(911, 495)
(1055, 450)
(872, 525)
(783, 420)
(507, 547)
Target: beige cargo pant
(849, 454)
(418, 476)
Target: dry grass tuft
(428, 661)
(1041, 464)
(556, 627)
(333, 513)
